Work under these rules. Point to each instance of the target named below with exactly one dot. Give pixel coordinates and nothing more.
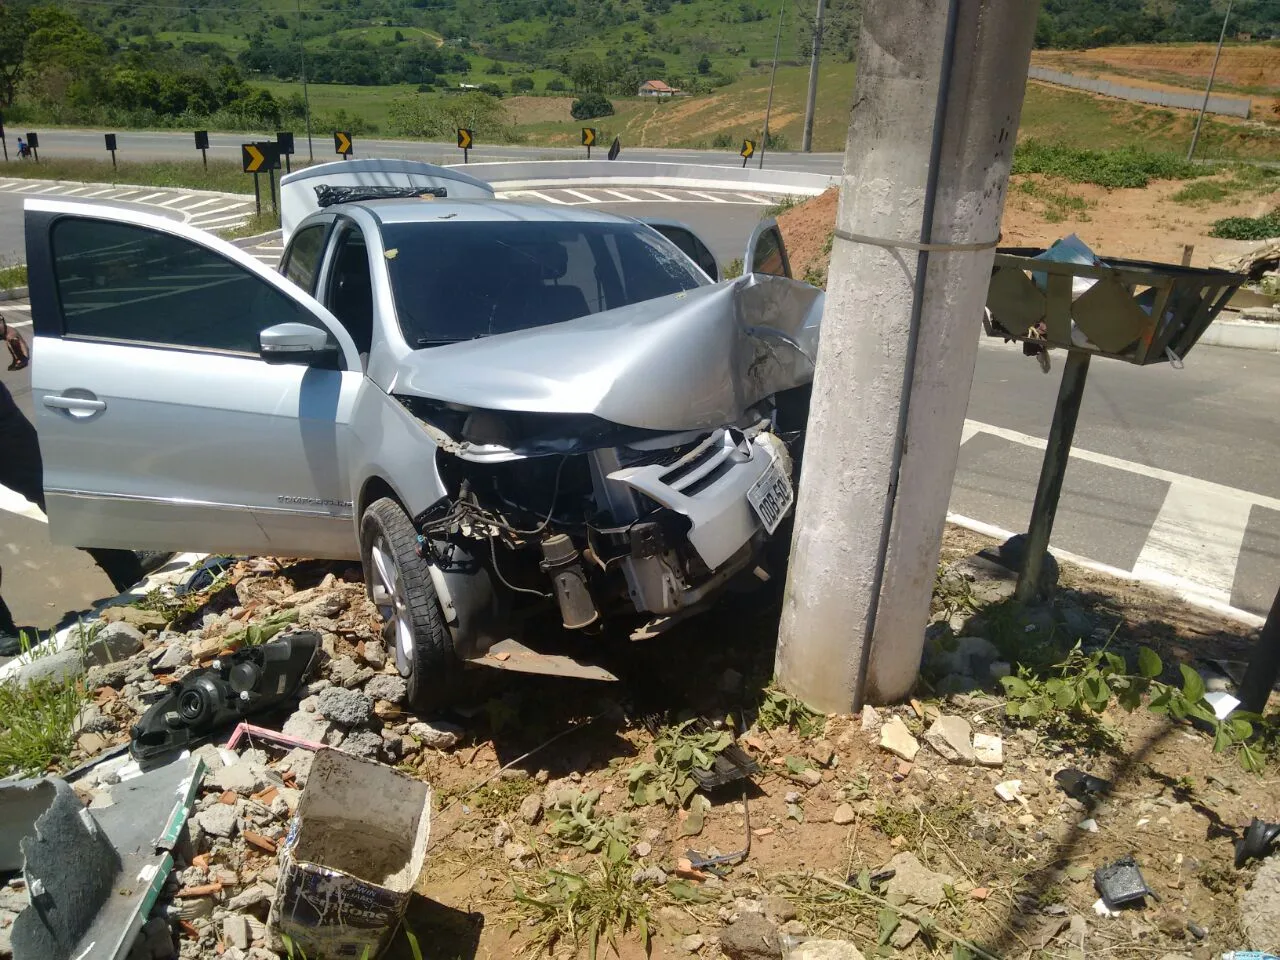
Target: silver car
(501, 409)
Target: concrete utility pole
(773, 76)
(939, 95)
(807, 142)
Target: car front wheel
(400, 586)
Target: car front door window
(302, 262)
(350, 293)
(121, 283)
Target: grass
(1129, 166)
(1248, 228)
(372, 104)
(1059, 205)
(562, 908)
(223, 175)
(13, 276)
(1244, 180)
(35, 724)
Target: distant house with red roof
(657, 88)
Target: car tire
(400, 586)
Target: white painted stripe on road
(751, 197)
(172, 200)
(582, 196)
(1196, 598)
(706, 196)
(27, 186)
(1206, 488)
(623, 196)
(124, 193)
(202, 203)
(215, 212)
(662, 196)
(149, 197)
(1195, 533)
(74, 190)
(224, 221)
(97, 193)
(56, 186)
(545, 198)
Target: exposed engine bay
(616, 523)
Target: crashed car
(500, 409)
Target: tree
(522, 85)
(704, 65)
(63, 60)
(590, 106)
(14, 27)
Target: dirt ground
(523, 110)
(1142, 224)
(1251, 70)
(1018, 872)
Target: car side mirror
(297, 343)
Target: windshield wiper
(442, 341)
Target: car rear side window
(303, 260)
(122, 282)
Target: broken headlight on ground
(609, 520)
(236, 685)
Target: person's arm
(17, 346)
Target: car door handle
(75, 404)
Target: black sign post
(284, 140)
(3, 142)
(342, 144)
(465, 141)
(111, 145)
(615, 148)
(256, 158)
(588, 139)
(33, 142)
(202, 144)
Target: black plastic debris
(729, 766)
(327, 196)
(204, 576)
(1082, 786)
(1120, 883)
(245, 682)
(1257, 841)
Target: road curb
(15, 293)
(126, 186)
(1243, 335)
(549, 173)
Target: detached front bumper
(710, 486)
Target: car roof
(418, 210)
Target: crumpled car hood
(692, 360)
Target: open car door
(766, 253)
(186, 396)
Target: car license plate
(771, 497)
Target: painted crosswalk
(200, 208)
(581, 194)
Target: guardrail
(1228, 106)
(526, 174)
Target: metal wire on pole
(306, 99)
(773, 75)
(1213, 72)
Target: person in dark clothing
(22, 470)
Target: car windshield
(457, 280)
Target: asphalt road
(168, 145)
(1172, 474)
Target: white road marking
(623, 196)
(208, 221)
(1206, 488)
(1197, 598)
(56, 186)
(204, 214)
(706, 196)
(662, 196)
(172, 200)
(27, 186)
(149, 197)
(545, 198)
(1199, 535)
(74, 190)
(202, 203)
(752, 197)
(124, 193)
(97, 193)
(581, 196)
